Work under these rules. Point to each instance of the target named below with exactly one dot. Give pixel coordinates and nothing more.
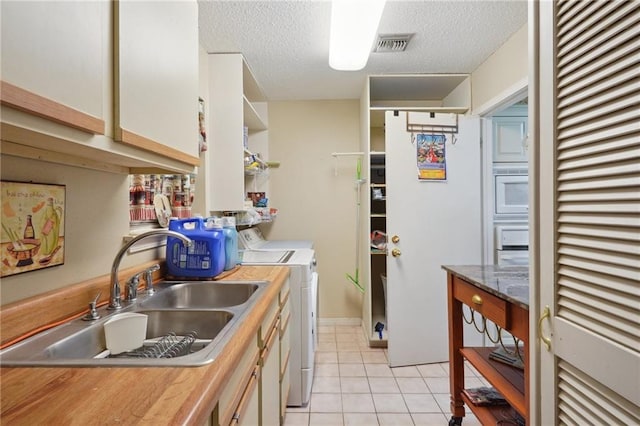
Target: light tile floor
(354, 385)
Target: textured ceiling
(286, 43)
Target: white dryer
(303, 280)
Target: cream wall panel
(96, 218)
(55, 49)
(504, 72)
(314, 203)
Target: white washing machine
(252, 239)
(303, 280)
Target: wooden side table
(511, 382)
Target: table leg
(455, 421)
(456, 362)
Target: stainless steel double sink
(213, 310)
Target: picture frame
(431, 157)
(32, 235)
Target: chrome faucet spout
(114, 294)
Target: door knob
(395, 239)
(395, 252)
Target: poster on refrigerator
(32, 234)
(430, 153)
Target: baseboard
(340, 321)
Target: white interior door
(587, 223)
(437, 223)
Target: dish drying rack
(167, 346)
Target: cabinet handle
(396, 252)
(395, 239)
(476, 299)
(546, 340)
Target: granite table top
(507, 282)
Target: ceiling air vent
(392, 42)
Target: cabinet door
(156, 77)
(285, 350)
(235, 388)
(510, 139)
(270, 380)
(585, 222)
(247, 413)
(53, 60)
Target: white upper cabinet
(80, 76)
(156, 70)
(509, 132)
(510, 139)
(52, 61)
(236, 101)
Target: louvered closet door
(589, 211)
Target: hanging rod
(443, 128)
(451, 129)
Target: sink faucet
(114, 295)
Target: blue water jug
(204, 258)
(230, 242)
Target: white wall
(502, 74)
(313, 202)
(96, 218)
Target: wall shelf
(251, 117)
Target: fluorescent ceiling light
(354, 24)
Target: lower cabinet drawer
(285, 354)
(483, 302)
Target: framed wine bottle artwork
(32, 234)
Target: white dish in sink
(125, 332)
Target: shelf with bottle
(179, 191)
(254, 216)
(253, 163)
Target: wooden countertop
(158, 395)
